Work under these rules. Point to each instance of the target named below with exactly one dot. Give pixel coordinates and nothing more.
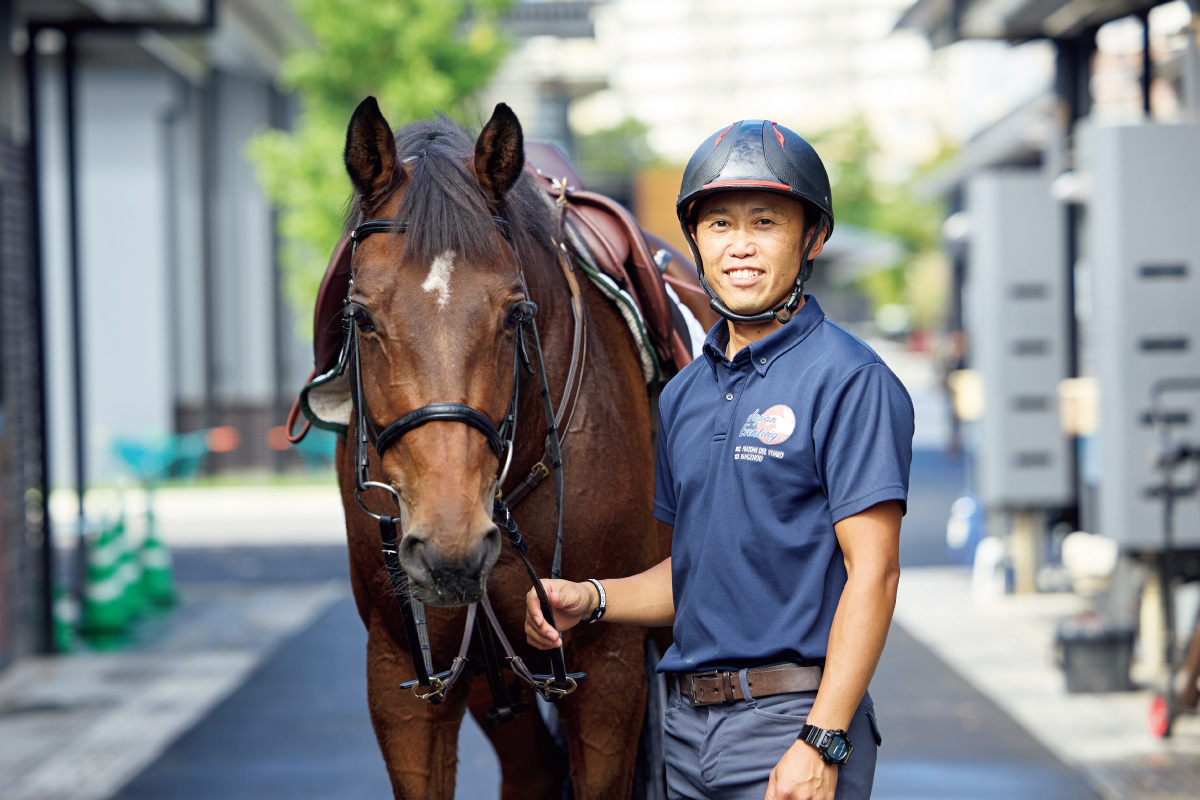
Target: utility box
(1143, 257)
(1017, 326)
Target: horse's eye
(360, 316)
(521, 314)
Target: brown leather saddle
(614, 243)
(623, 251)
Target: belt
(722, 686)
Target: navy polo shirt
(757, 459)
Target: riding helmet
(761, 155)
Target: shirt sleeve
(863, 442)
(664, 484)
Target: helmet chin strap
(781, 313)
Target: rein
(429, 686)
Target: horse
(440, 311)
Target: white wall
(141, 271)
(242, 254)
(123, 253)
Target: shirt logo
(772, 426)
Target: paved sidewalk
(78, 727)
(1005, 649)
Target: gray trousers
(726, 751)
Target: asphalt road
(299, 727)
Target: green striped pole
(105, 612)
(158, 577)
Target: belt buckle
(689, 680)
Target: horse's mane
(445, 207)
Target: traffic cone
(130, 569)
(66, 618)
(158, 577)
(105, 612)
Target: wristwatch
(834, 746)
(600, 607)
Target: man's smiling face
(750, 243)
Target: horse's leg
(603, 718)
(419, 740)
(529, 765)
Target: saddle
(604, 230)
(601, 231)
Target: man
(783, 464)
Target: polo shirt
(758, 457)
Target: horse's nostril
(491, 537)
(440, 579)
(477, 561)
(414, 556)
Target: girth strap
(440, 412)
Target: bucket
(1096, 655)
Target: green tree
(608, 159)
(917, 278)
(415, 56)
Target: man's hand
(802, 775)
(571, 602)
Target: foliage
(608, 159)
(415, 56)
(918, 278)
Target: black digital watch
(834, 746)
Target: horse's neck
(548, 288)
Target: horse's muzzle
(439, 579)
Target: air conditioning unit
(1143, 256)
(1017, 326)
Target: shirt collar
(764, 352)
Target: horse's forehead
(437, 282)
(418, 293)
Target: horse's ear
(370, 152)
(499, 154)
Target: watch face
(836, 749)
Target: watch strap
(812, 734)
(820, 739)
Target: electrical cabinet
(1143, 260)
(1017, 329)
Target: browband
(365, 229)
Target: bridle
(429, 686)
(499, 439)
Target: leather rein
(429, 685)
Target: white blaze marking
(438, 281)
